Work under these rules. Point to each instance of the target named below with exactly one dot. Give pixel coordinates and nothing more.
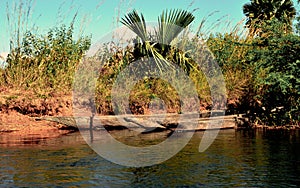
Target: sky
(99, 17)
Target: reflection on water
(239, 158)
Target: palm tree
(259, 11)
(170, 25)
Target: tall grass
(40, 62)
(18, 21)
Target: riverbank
(26, 115)
(29, 116)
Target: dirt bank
(18, 109)
(16, 128)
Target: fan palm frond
(137, 24)
(171, 23)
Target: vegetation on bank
(260, 64)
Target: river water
(235, 159)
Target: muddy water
(236, 158)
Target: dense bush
(276, 59)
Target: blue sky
(99, 16)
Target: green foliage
(277, 76)
(45, 61)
